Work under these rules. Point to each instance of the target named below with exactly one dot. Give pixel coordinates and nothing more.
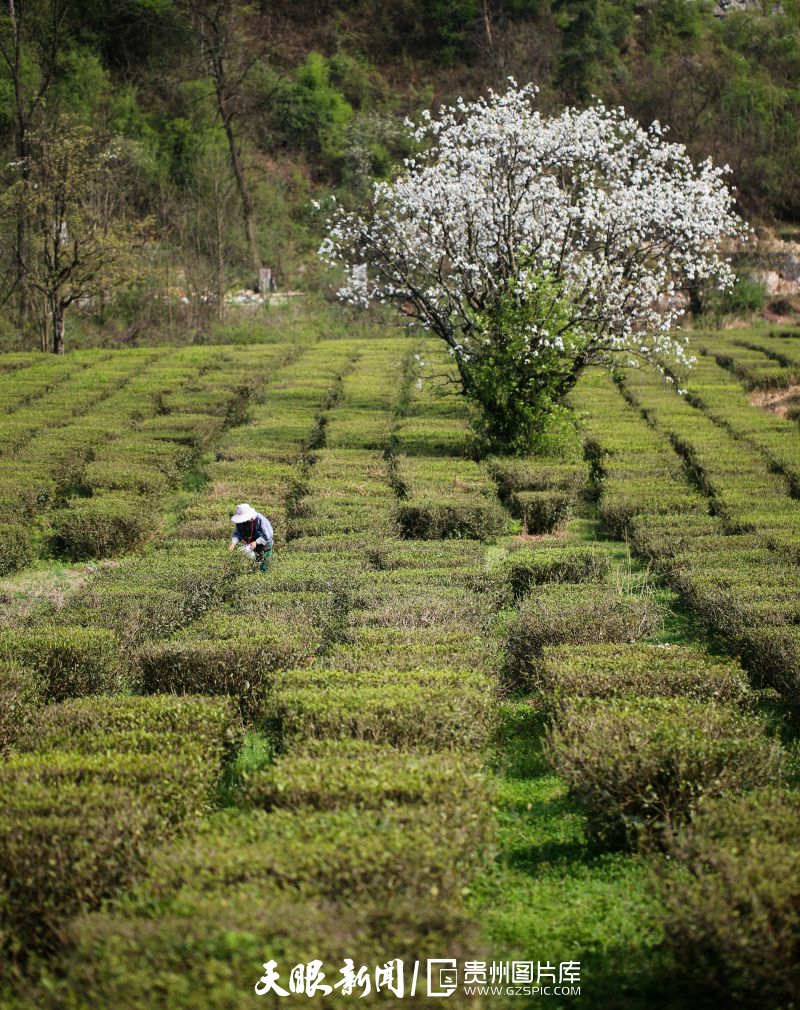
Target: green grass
(255, 753)
(549, 896)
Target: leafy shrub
(774, 654)
(398, 714)
(175, 786)
(136, 613)
(409, 648)
(642, 765)
(110, 475)
(731, 894)
(20, 695)
(541, 511)
(645, 671)
(641, 499)
(63, 848)
(401, 851)
(581, 615)
(72, 661)
(387, 881)
(356, 773)
(212, 724)
(530, 567)
(241, 668)
(442, 518)
(16, 548)
(534, 474)
(102, 526)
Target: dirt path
(776, 401)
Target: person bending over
(252, 534)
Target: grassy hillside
(227, 119)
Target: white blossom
(618, 216)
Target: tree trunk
(58, 327)
(248, 212)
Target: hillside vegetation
(226, 118)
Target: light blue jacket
(258, 529)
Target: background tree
(228, 53)
(31, 34)
(80, 246)
(535, 246)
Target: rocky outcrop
(723, 7)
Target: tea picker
(252, 534)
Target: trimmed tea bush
(127, 960)
(20, 695)
(99, 527)
(242, 668)
(444, 518)
(397, 714)
(72, 661)
(775, 655)
(530, 567)
(213, 724)
(580, 615)
(532, 474)
(175, 785)
(642, 765)
(732, 894)
(645, 671)
(541, 511)
(356, 773)
(16, 548)
(400, 851)
(63, 848)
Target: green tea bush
(323, 678)
(110, 475)
(348, 773)
(401, 851)
(541, 511)
(16, 548)
(411, 648)
(402, 715)
(444, 518)
(21, 691)
(72, 661)
(62, 849)
(529, 473)
(136, 613)
(642, 498)
(774, 654)
(580, 615)
(731, 893)
(117, 959)
(642, 765)
(644, 671)
(241, 668)
(98, 527)
(175, 785)
(212, 724)
(574, 563)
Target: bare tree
(228, 56)
(26, 25)
(80, 245)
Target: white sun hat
(244, 513)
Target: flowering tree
(536, 246)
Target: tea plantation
(536, 709)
